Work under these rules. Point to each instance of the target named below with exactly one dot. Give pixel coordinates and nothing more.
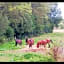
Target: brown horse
(29, 42)
(44, 42)
(18, 41)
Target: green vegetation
(27, 57)
(27, 19)
(33, 57)
(9, 46)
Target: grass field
(56, 37)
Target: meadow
(29, 57)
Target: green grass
(26, 57)
(33, 57)
(9, 46)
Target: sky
(61, 6)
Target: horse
(18, 41)
(29, 42)
(44, 42)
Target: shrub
(9, 33)
(2, 39)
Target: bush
(2, 39)
(9, 33)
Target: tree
(9, 33)
(29, 19)
(4, 22)
(55, 15)
(20, 18)
(40, 11)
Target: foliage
(9, 33)
(55, 15)
(3, 24)
(28, 19)
(33, 57)
(3, 39)
(61, 24)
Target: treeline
(27, 19)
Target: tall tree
(55, 15)
(40, 11)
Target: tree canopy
(28, 18)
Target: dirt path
(26, 49)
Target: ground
(26, 49)
(7, 49)
(58, 30)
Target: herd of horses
(57, 51)
(30, 42)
